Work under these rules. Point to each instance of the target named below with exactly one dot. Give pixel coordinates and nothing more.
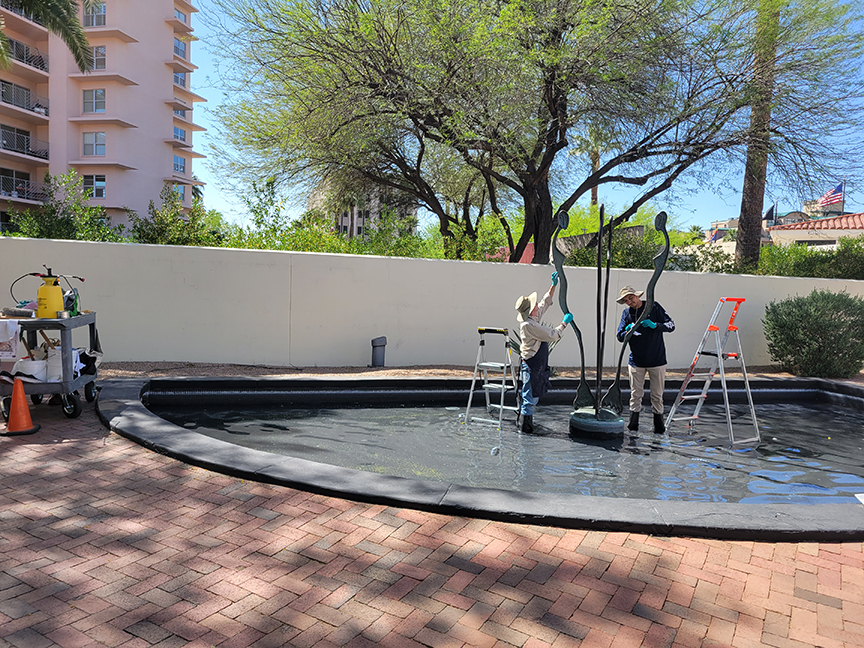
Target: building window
(99, 57)
(180, 48)
(94, 144)
(180, 191)
(95, 16)
(179, 164)
(179, 134)
(179, 15)
(180, 113)
(94, 101)
(180, 79)
(94, 185)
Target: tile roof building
(820, 231)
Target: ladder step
(498, 387)
(484, 420)
(491, 365)
(684, 418)
(695, 397)
(506, 408)
(703, 375)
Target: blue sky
(694, 207)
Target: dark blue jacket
(647, 348)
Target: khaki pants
(656, 378)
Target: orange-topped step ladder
(718, 357)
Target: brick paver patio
(103, 542)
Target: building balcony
(186, 122)
(186, 97)
(15, 95)
(104, 76)
(178, 142)
(185, 5)
(31, 147)
(178, 25)
(102, 119)
(27, 55)
(110, 32)
(179, 64)
(102, 163)
(22, 22)
(15, 190)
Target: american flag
(831, 197)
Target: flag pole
(843, 202)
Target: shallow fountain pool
(811, 452)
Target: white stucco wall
(162, 303)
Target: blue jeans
(528, 400)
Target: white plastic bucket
(55, 366)
(36, 368)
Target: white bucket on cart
(36, 368)
(55, 365)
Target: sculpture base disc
(603, 424)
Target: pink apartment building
(126, 126)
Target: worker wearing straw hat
(534, 350)
(647, 354)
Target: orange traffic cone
(19, 413)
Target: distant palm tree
(58, 17)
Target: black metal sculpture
(593, 416)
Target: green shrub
(820, 335)
(797, 260)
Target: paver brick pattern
(105, 543)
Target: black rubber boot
(659, 427)
(527, 424)
(634, 421)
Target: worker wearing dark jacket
(647, 354)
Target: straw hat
(629, 290)
(524, 305)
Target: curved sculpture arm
(558, 261)
(584, 397)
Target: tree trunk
(544, 223)
(594, 156)
(749, 238)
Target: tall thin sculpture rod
(599, 312)
(602, 333)
(584, 397)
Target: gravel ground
(110, 370)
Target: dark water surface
(810, 453)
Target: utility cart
(68, 385)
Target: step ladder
(718, 359)
(497, 378)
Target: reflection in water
(810, 453)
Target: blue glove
(555, 278)
(649, 324)
(628, 327)
(567, 317)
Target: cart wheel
(90, 392)
(35, 398)
(71, 405)
(5, 406)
